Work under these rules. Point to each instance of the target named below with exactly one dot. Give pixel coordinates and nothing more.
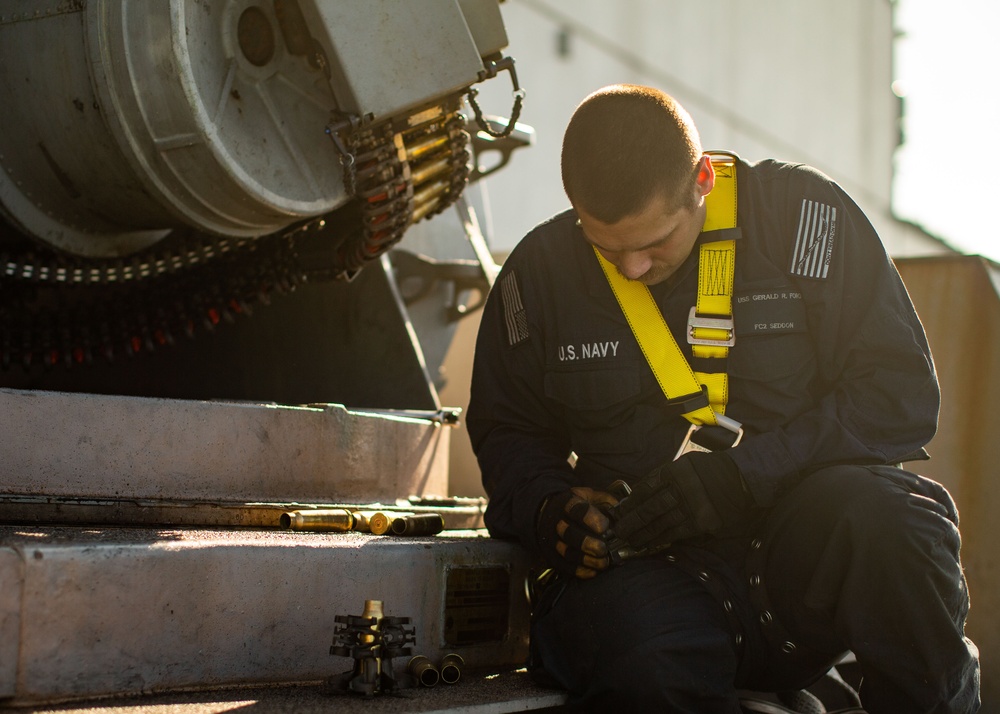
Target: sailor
(770, 528)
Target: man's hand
(571, 528)
(698, 494)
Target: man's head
(634, 170)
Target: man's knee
(869, 557)
(880, 505)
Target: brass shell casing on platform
(333, 519)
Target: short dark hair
(624, 145)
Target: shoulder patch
(814, 240)
(513, 310)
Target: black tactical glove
(570, 531)
(698, 494)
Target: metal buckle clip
(688, 445)
(714, 323)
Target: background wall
(808, 82)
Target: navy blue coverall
(833, 381)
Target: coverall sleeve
(876, 391)
(522, 452)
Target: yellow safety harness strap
(710, 323)
(671, 369)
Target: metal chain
(492, 68)
(515, 114)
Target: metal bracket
(689, 445)
(484, 141)
(418, 274)
(713, 323)
(445, 416)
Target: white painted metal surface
(125, 119)
(125, 611)
(60, 444)
(432, 52)
(149, 116)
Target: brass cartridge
(332, 519)
(423, 670)
(379, 522)
(451, 668)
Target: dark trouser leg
(868, 559)
(644, 634)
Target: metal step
(104, 611)
(490, 693)
(102, 447)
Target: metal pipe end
(424, 671)
(418, 524)
(451, 668)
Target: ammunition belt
(57, 310)
(70, 311)
(401, 178)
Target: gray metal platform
(65, 445)
(91, 612)
(476, 693)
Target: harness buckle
(712, 323)
(727, 430)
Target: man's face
(648, 246)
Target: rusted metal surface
(957, 300)
(11, 579)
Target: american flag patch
(814, 240)
(513, 310)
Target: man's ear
(705, 180)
